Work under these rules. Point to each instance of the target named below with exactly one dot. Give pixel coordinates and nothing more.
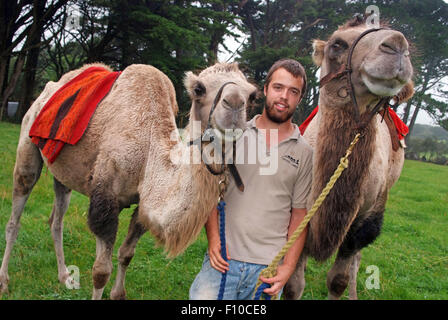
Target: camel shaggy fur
(351, 216)
(124, 158)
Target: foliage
(428, 143)
(428, 149)
(180, 35)
(426, 131)
(425, 25)
(285, 29)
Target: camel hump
(149, 77)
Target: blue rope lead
(222, 237)
(260, 291)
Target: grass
(411, 254)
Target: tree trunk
(4, 66)
(18, 66)
(414, 117)
(32, 56)
(266, 30)
(28, 83)
(407, 110)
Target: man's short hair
(292, 66)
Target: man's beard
(270, 112)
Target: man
(260, 220)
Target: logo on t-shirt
(291, 160)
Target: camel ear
(406, 93)
(318, 52)
(194, 86)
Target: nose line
(396, 42)
(284, 94)
(235, 116)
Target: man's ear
(318, 52)
(194, 86)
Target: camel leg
(338, 277)
(60, 206)
(125, 255)
(296, 284)
(352, 292)
(27, 171)
(348, 258)
(103, 222)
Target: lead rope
(222, 237)
(222, 232)
(271, 270)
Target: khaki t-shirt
(257, 219)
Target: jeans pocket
(206, 263)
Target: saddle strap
(392, 130)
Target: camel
(126, 157)
(351, 217)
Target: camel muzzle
(346, 71)
(230, 135)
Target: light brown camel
(351, 216)
(125, 157)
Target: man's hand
(214, 251)
(214, 243)
(284, 272)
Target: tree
(174, 36)
(23, 23)
(178, 36)
(285, 29)
(425, 25)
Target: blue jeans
(241, 280)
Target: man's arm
(214, 243)
(285, 270)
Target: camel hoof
(118, 295)
(4, 285)
(63, 277)
(71, 283)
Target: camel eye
(339, 45)
(199, 89)
(252, 96)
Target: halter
(209, 136)
(346, 70)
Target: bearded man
(260, 220)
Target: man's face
(282, 95)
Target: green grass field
(411, 254)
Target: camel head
(380, 62)
(230, 110)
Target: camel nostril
(388, 48)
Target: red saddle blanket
(65, 116)
(400, 126)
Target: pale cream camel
(126, 157)
(351, 216)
